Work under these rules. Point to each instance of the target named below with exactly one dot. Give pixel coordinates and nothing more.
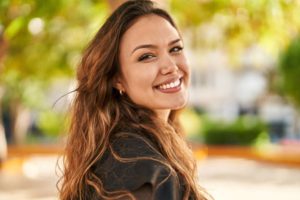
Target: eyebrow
(151, 46)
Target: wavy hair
(98, 111)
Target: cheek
(140, 78)
(184, 66)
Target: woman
(125, 141)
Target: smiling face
(154, 70)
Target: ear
(118, 84)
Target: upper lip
(169, 80)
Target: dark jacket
(146, 178)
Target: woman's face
(154, 70)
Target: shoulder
(133, 145)
(132, 162)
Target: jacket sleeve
(146, 177)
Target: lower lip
(171, 90)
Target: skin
(151, 54)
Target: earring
(121, 92)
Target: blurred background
(243, 117)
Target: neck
(163, 114)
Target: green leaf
(14, 27)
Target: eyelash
(179, 49)
(147, 56)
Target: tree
(40, 42)
(235, 25)
(289, 71)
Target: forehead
(149, 29)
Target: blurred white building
(225, 93)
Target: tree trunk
(3, 142)
(22, 123)
(3, 145)
(3, 47)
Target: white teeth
(170, 85)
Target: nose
(168, 65)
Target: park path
(225, 178)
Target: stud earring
(121, 92)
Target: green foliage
(243, 131)
(45, 40)
(33, 61)
(289, 69)
(262, 140)
(51, 123)
(191, 122)
(237, 24)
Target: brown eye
(146, 57)
(176, 49)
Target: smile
(170, 87)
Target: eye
(145, 57)
(176, 49)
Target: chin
(178, 105)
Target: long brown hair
(98, 111)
